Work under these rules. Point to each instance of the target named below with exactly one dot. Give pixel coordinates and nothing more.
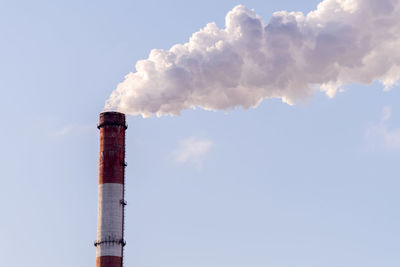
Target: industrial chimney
(110, 221)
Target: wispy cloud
(192, 150)
(381, 136)
(71, 129)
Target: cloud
(381, 136)
(192, 150)
(72, 130)
(341, 42)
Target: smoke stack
(110, 221)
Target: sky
(309, 185)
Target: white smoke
(341, 42)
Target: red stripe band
(108, 261)
(112, 148)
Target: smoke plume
(341, 42)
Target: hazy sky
(310, 185)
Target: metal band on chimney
(111, 124)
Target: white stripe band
(109, 220)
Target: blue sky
(315, 184)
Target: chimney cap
(112, 118)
